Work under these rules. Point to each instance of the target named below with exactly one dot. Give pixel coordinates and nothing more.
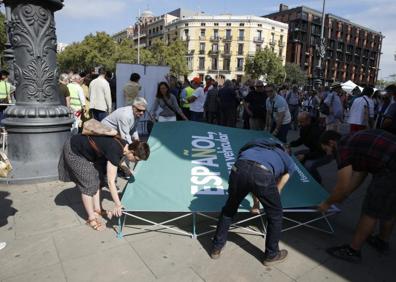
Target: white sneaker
(2, 245)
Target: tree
(294, 73)
(3, 36)
(265, 63)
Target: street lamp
(321, 51)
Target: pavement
(48, 240)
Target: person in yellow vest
(6, 90)
(187, 92)
(77, 101)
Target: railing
(202, 52)
(258, 39)
(239, 68)
(241, 38)
(202, 38)
(215, 38)
(228, 38)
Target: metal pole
(138, 49)
(322, 33)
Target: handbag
(5, 165)
(96, 128)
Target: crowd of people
(262, 168)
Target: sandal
(95, 224)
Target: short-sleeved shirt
(334, 102)
(275, 160)
(391, 114)
(123, 120)
(198, 104)
(277, 105)
(292, 98)
(357, 112)
(63, 93)
(111, 149)
(366, 150)
(256, 102)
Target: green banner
(189, 166)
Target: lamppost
(322, 51)
(37, 124)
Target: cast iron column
(37, 125)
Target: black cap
(208, 77)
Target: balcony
(202, 38)
(190, 52)
(258, 39)
(281, 43)
(228, 38)
(272, 43)
(240, 68)
(214, 53)
(201, 68)
(241, 38)
(202, 52)
(227, 53)
(214, 38)
(240, 53)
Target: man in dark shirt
(389, 119)
(358, 154)
(64, 94)
(262, 168)
(314, 157)
(255, 106)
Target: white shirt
(198, 104)
(356, 113)
(100, 94)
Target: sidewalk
(47, 240)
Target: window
(241, 24)
(226, 64)
(260, 25)
(216, 33)
(258, 47)
(228, 24)
(202, 63)
(240, 64)
(259, 34)
(241, 34)
(201, 48)
(203, 32)
(226, 48)
(203, 24)
(190, 63)
(273, 49)
(161, 27)
(216, 24)
(215, 47)
(240, 49)
(214, 63)
(280, 52)
(228, 34)
(186, 24)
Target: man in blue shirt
(263, 168)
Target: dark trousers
(196, 116)
(246, 177)
(294, 114)
(228, 117)
(282, 133)
(212, 117)
(186, 112)
(98, 115)
(313, 165)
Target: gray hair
(75, 78)
(64, 77)
(140, 101)
(227, 83)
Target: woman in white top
(165, 105)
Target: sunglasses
(139, 110)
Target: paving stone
(47, 274)
(116, 264)
(185, 275)
(27, 255)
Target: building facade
(219, 45)
(352, 51)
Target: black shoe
(377, 243)
(215, 253)
(345, 252)
(281, 256)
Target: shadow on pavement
(6, 208)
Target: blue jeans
(98, 115)
(196, 116)
(246, 177)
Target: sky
(81, 17)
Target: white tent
(349, 86)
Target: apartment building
(219, 45)
(352, 51)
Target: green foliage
(265, 63)
(102, 50)
(3, 36)
(294, 73)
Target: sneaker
(345, 252)
(377, 243)
(281, 256)
(215, 253)
(2, 245)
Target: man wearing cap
(197, 100)
(263, 168)
(211, 106)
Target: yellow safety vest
(5, 88)
(189, 93)
(75, 102)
